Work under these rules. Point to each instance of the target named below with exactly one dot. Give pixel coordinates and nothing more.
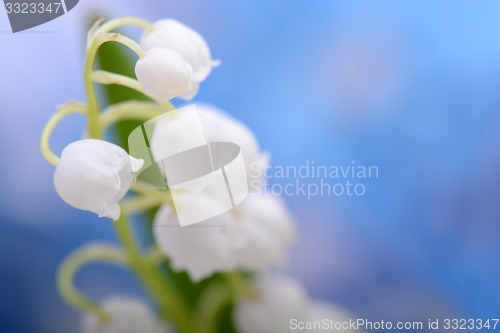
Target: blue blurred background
(409, 86)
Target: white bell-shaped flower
(317, 311)
(254, 235)
(191, 127)
(126, 315)
(265, 232)
(221, 127)
(164, 74)
(201, 249)
(172, 34)
(94, 175)
(278, 299)
(176, 131)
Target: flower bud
(126, 315)
(172, 34)
(164, 74)
(94, 175)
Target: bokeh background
(410, 86)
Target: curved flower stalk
(95, 175)
(92, 252)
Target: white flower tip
(193, 91)
(136, 163)
(215, 63)
(111, 210)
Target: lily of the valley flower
(94, 175)
(126, 315)
(164, 74)
(278, 299)
(221, 127)
(254, 235)
(173, 35)
(263, 232)
(201, 249)
(179, 131)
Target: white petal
(111, 210)
(193, 126)
(279, 299)
(202, 249)
(93, 175)
(164, 74)
(177, 131)
(220, 127)
(189, 95)
(136, 163)
(266, 230)
(128, 315)
(256, 173)
(172, 34)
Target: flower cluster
(240, 246)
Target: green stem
(105, 77)
(170, 301)
(94, 128)
(209, 308)
(135, 110)
(140, 204)
(155, 256)
(119, 38)
(240, 284)
(162, 195)
(123, 21)
(94, 252)
(62, 112)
